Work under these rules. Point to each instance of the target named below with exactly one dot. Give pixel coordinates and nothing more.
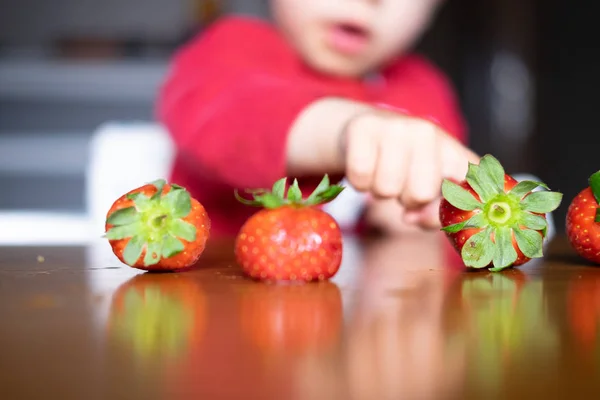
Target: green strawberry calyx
(594, 182)
(154, 224)
(279, 197)
(500, 216)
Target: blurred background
(70, 69)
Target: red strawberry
(290, 239)
(157, 227)
(492, 220)
(583, 221)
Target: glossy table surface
(401, 320)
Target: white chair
(123, 156)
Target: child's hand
(387, 216)
(404, 158)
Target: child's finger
(392, 164)
(361, 159)
(455, 158)
(424, 178)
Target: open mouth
(349, 38)
(353, 30)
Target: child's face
(351, 37)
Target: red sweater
(233, 93)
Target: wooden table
(399, 321)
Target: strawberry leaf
(459, 197)
(594, 182)
(524, 187)
(597, 219)
(533, 221)
(181, 229)
(492, 173)
(530, 242)
(264, 199)
(321, 188)
(123, 216)
(269, 200)
(256, 192)
(123, 231)
(242, 200)
(454, 228)
(484, 181)
(331, 193)
(133, 250)
(505, 254)
(294, 194)
(541, 202)
(158, 184)
(476, 221)
(279, 188)
(179, 202)
(141, 201)
(153, 253)
(171, 246)
(323, 193)
(473, 180)
(478, 250)
(328, 195)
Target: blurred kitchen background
(525, 70)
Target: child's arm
(229, 102)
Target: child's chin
(334, 65)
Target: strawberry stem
(158, 221)
(278, 196)
(500, 212)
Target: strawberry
(290, 239)
(583, 221)
(157, 227)
(492, 220)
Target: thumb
(456, 159)
(426, 217)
